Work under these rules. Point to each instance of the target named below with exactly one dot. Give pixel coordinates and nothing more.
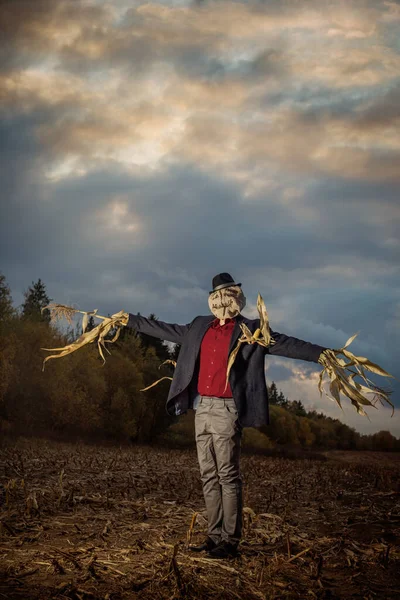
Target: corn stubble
(94, 522)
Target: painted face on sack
(227, 303)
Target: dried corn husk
(98, 334)
(166, 362)
(342, 378)
(261, 336)
(60, 311)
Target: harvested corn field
(87, 522)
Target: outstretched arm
(341, 373)
(292, 347)
(170, 332)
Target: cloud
(163, 83)
(148, 146)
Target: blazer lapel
(236, 332)
(205, 324)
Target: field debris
(84, 522)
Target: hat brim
(223, 286)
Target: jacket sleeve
(158, 329)
(292, 347)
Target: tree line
(78, 396)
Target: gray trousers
(218, 436)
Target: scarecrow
(220, 373)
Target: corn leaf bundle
(97, 334)
(166, 362)
(342, 374)
(261, 336)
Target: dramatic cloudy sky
(147, 146)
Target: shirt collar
(215, 324)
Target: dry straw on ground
(83, 522)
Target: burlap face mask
(227, 303)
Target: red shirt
(214, 351)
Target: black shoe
(223, 550)
(206, 546)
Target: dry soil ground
(91, 522)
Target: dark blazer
(247, 376)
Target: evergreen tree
(6, 305)
(282, 400)
(297, 408)
(273, 393)
(36, 298)
(91, 324)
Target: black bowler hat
(221, 281)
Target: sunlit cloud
(172, 139)
(117, 218)
(219, 119)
